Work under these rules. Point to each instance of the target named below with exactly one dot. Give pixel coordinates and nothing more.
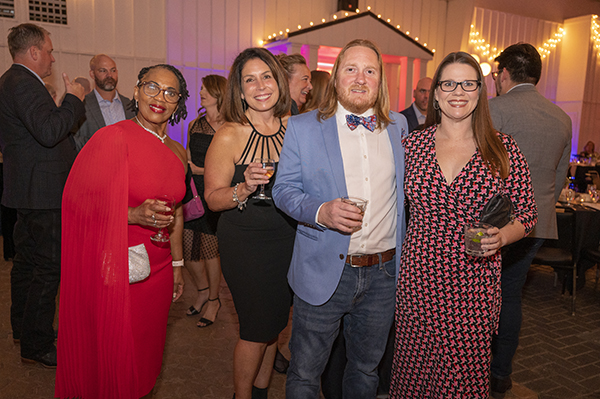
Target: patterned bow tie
(369, 122)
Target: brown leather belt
(370, 259)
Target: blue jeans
(364, 299)
(516, 259)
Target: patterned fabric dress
(448, 302)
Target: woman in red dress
(112, 333)
(448, 302)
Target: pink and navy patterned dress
(448, 302)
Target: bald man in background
(103, 105)
(417, 112)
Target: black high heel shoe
(192, 311)
(206, 321)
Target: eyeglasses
(152, 89)
(495, 74)
(467, 85)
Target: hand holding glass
(358, 202)
(474, 232)
(168, 201)
(269, 165)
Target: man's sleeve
(290, 192)
(46, 122)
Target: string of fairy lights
(486, 51)
(283, 33)
(596, 35)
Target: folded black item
(498, 211)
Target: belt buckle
(351, 257)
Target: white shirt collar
(520, 84)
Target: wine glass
(570, 195)
(170, 202)
(269, 165)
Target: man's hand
(73, 87)
(340, 216)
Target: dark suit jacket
(93, 120)
(543, 132)
(35, 139)
(411, 117)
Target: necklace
(162, 139)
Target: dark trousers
(8, 218)
(516, 259)
(34, 279)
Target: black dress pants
(35, 278)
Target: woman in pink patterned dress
(448, 302)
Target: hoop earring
(436, 105)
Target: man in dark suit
(417, 112)
(38, 154)
(103, 105)
(543, 132)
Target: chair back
(565, 223)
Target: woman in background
(319, 80)
(112, 333)
(298, 79)
(200, 244)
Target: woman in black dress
(200, 244)
(256, 239)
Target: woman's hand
(150, 213)
(196, 170)
(255, 174)
(178, 283)
(492, 244)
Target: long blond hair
(328, 106)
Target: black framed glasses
(152, 89)
(496, 73)
(467, 85)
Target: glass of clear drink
(358, 202)
(474, 232)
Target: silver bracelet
(177, 263)
(240, 204)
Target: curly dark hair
(181, 111)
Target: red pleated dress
(112, 333)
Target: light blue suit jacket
(311, 172)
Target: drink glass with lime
(474, 232)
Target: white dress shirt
(420, 117)
(370, 172)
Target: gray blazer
(93, 119)
(543, 132)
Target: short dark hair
(181, 111)
(234, 106)
(522, 61)
(22, 37)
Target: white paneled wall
(500, 30)
(205, 36)
(132, 32)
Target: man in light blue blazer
(345, 262)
